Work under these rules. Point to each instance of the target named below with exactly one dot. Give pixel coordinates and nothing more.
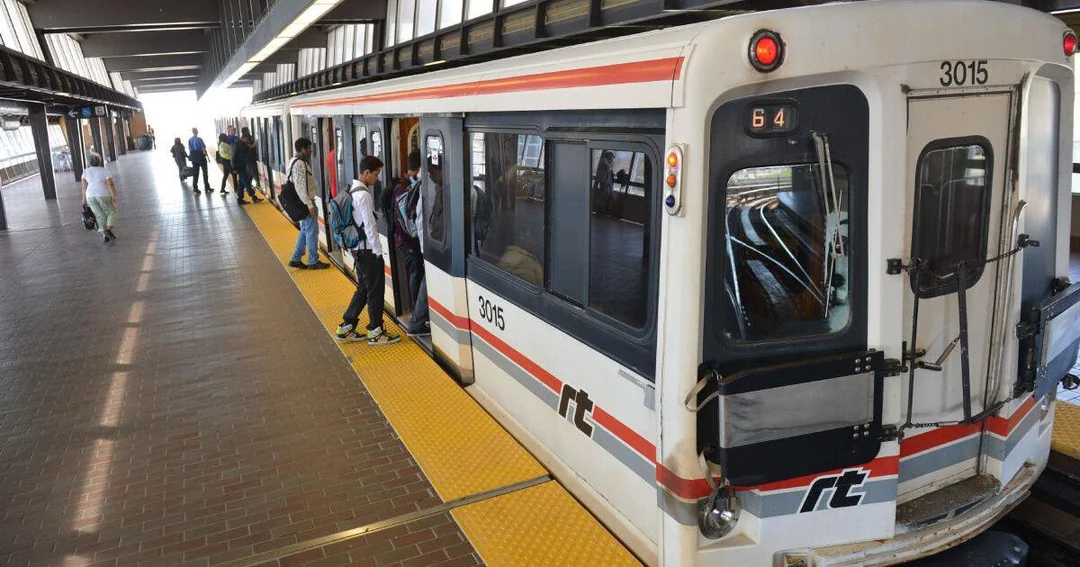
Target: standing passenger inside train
(303, 180)
(251, 164)
(368, 262)
(406, 238)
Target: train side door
(336, 169)
(378, 137)
(957, 153)
(445, 229)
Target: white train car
(782, 289)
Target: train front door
(957, 159)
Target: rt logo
(841, 486)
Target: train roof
(645, 70)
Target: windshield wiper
(832, 201)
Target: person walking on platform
(197, 155)
(99, 193)
(241, 154)
(299, 173)
(368, 262)
(179, 155)
(224, 158)
(407, 219)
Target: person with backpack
(197, 155)
(241, 154)
(352, 219)
(299, 174)
(403, 206)
(179, 155)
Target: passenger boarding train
(787, 288)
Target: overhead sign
(86, 112)
(73, 113)
(99, 110)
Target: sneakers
(375, 337)
(318, 266)
(348, 334)
(197, 192)
(423, 331)
(379, 337)
(297, 264)
(109, 233)
(105, 238)
(255, 199)
(224, 192)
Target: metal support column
(95, 132)
(119, 139)
(75, 144)
(39, 127)
(110, 135)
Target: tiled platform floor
(154, 413)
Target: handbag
(295, 209)
(89, 220)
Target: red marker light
(1069, 43)
(672, 180)
(766, 51)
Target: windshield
(787, 263)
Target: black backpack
(88, 218)
(290, 199)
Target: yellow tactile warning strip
(460, 447)
(542, 525)
(1066, 438)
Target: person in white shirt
(368, 263)
(99, 193)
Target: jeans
(197, 165)
(414, 266)
(309, 235)
(227, 172)
(420, 310)
(245, 183)
(370, 289)
(104, 210)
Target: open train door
(445, 241)
(957, 158)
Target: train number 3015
(492, 313)
(961, 73)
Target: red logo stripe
(628, 436)
(667, 69)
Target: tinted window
(786, 239)
(507, 196)
(621, 193)
(434, 200)
(952, 209)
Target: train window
(621, 193)
(787, 267)
(434, 202)
(952, 212)
(508, 204)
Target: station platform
(175, 398)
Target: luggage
(89, 220)
(290, 200)
(187, 172)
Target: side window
(621, 191)
(952, 211)
(434, 192)
(786, 239)
(507, 196)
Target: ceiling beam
(311, 37)
(356, 12)
(140, 75)
(179, 77)
(73, 16)
(153, 63)
(145, 43)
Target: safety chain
(895, 266)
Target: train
(784, 288)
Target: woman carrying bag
(99, 192)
